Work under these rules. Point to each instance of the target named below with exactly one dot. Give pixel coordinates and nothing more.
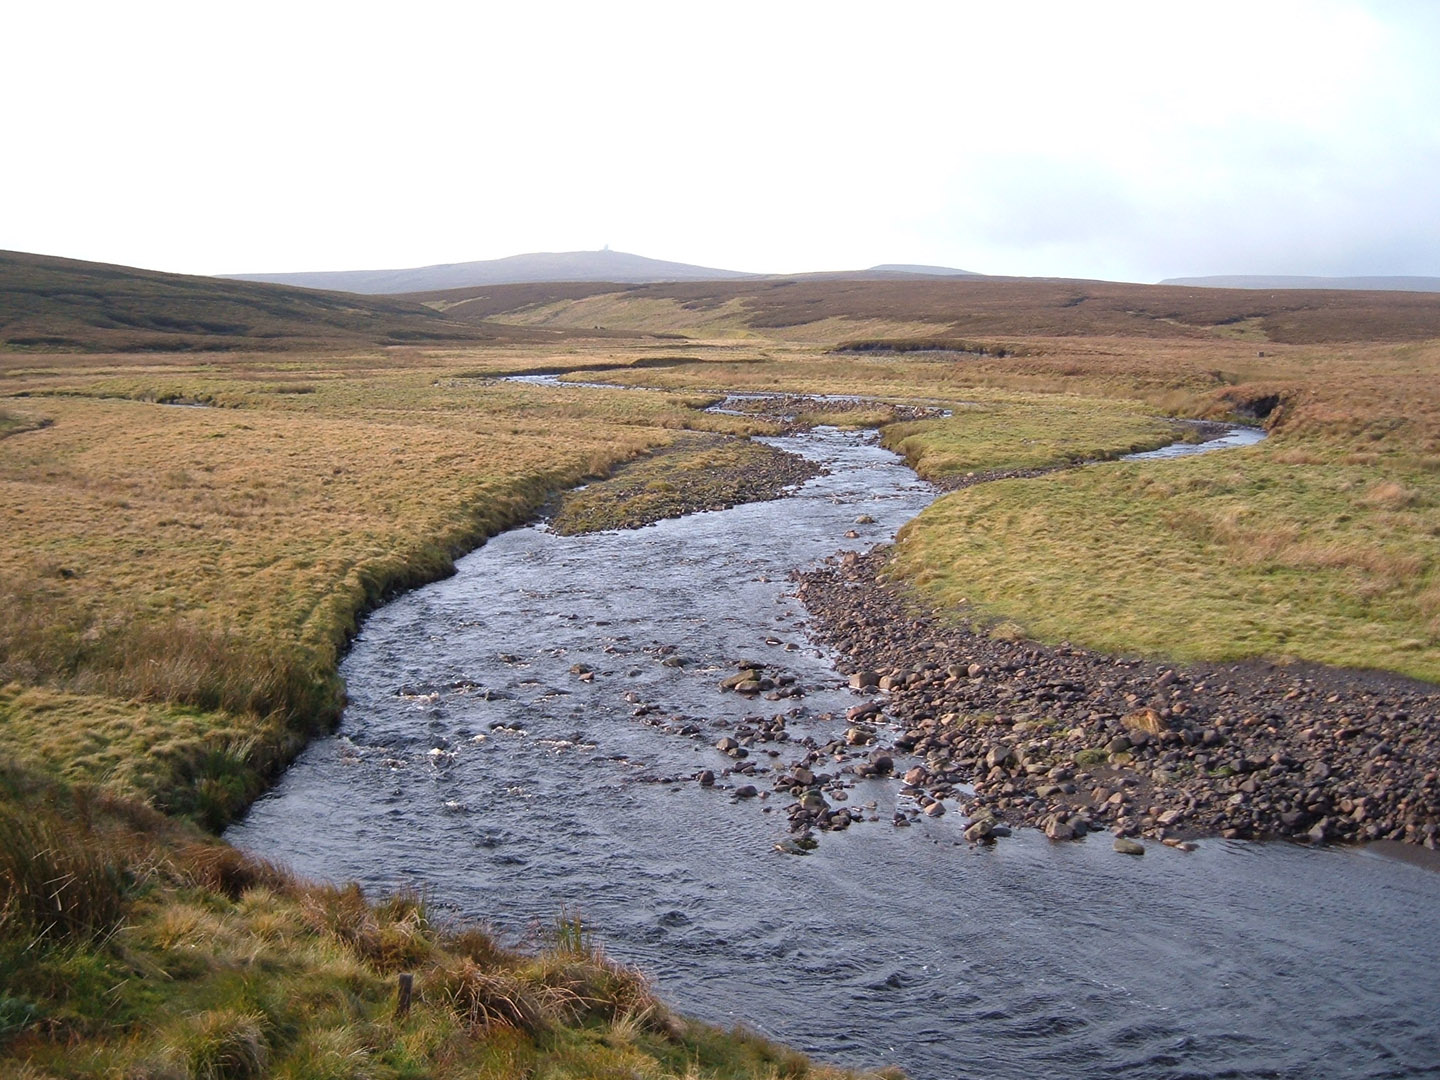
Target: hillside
(941, 310)
(54, 303)
(538, 266)
(1260, 281)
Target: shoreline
(1069, 740)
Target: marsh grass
(1239, 555)
(1026, 432)
(209, 565)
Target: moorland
(207, 484)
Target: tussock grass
(203, 962)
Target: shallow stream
(523, 738)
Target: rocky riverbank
(1070, 741)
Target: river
(523, 739)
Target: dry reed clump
(56, 884)
(226, 870)
(484, 998)
(392, 935)
(127, 654)
(1390, 495)
(593, 987)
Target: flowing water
(523, 739)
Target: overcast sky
(1120, 140)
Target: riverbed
(525, 738)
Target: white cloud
(1127, 139)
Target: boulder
(979, 831)
(999, 757)
(1125, 846)
(1056, 828)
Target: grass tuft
(222, 1044)
(54, 888)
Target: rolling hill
(617, 266)
(54, 303)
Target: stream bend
(523, 738)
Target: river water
(523, 739)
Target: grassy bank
(209, 563)
(133, 946)
(1323, 543)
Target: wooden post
(402, 998)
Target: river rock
(999, 756)
(1125, 846)
(864, 680)
(1056, 828)
(746, 791)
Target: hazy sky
(1119, 140)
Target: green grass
(1026, 432)
(1239, 554)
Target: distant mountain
(545, 266)
(1260, 281)
(925, 271)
